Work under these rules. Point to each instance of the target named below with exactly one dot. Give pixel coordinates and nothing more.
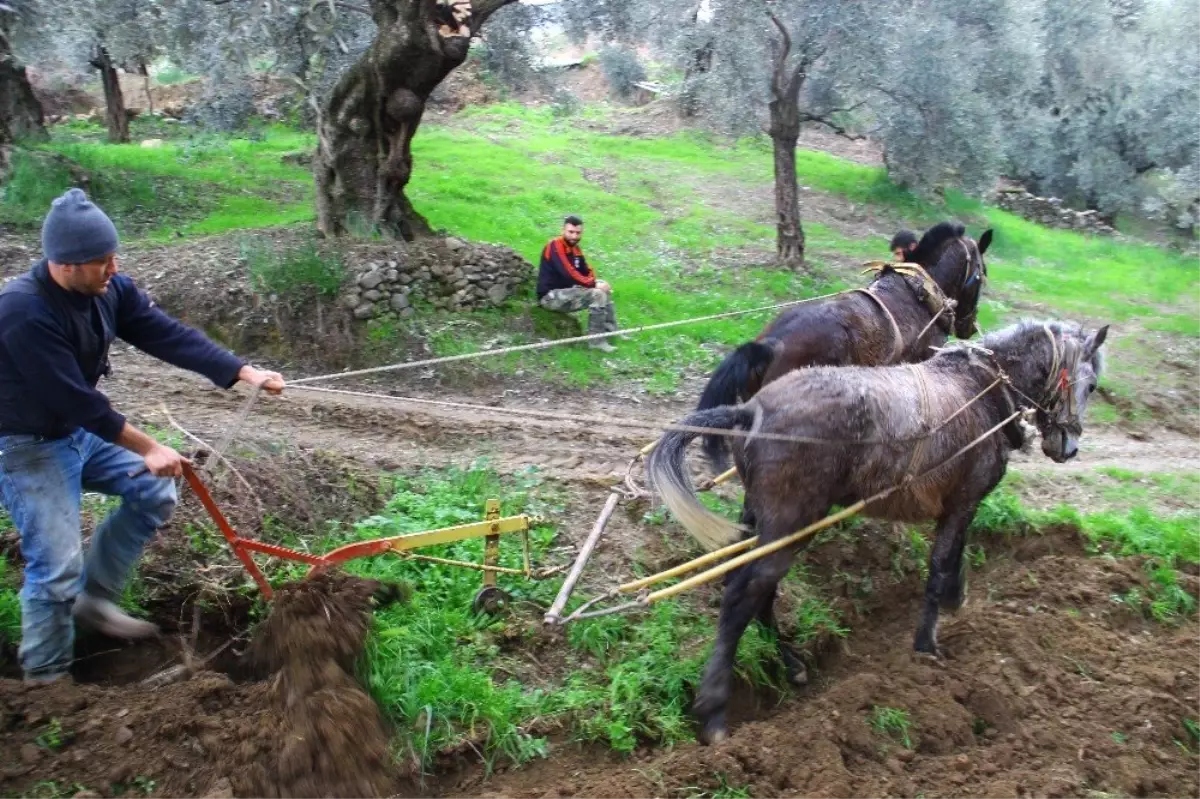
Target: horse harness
(1058, 399)
(927, 291)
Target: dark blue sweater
(54, 349)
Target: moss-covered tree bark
(364, 151)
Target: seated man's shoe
(104, 616)
(602, 345)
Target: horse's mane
(1019, 330)
(933, 240)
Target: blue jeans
(41, 483)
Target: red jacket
(562, 267)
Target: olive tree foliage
(308, 43)
(949, 96)
(1118, 107)
(505, 46)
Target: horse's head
(1076, 362)
(955, 262)
(973, 271)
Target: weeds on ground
(892, 722)
(293, 272)
(724, 790)
(450, 679)
(51, 789)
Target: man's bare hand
(603, 286)
(271, 382)
(163, 461)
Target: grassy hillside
(680, 224)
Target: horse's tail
(665, 472)
(730, 383)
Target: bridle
(971, 274)
(1057, 403)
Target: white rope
(556, 342)
(633, 424)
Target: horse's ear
(1095, 341)
(985, 240)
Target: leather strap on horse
(897, 336)
(929, 293)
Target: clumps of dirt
(306, 729)
(1049, 688)
(335, 742)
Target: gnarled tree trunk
(786, 84)
(364, 150)
(19, 107)
(115, 116)
(789, 234)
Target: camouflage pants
(602, 317)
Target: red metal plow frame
(491, 529)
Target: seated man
(903, 243)
(567, 284)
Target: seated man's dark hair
(574, 220)
(903, 239)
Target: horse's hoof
(712, 737)
(798, 677)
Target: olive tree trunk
(789, 234)
(786, 83)
(364, 149)
(20, 111)
(115, 116)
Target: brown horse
(878, 428)
(889, 322)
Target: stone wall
(448, 273)
(1049, 211)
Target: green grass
(892, 722)
(450, 679)
(198, 185)
(680, 224)
(295, 271)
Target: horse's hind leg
(745, 592)
(797, 672)
(946, 584)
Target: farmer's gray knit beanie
(76, 231)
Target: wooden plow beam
(489, 598)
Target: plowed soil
(306, 728)
(1046, 691)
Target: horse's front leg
(946, 583)
(745, 592)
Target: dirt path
(394, 435)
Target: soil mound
(335, 743)
(306, 729)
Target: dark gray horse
(889, 424)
